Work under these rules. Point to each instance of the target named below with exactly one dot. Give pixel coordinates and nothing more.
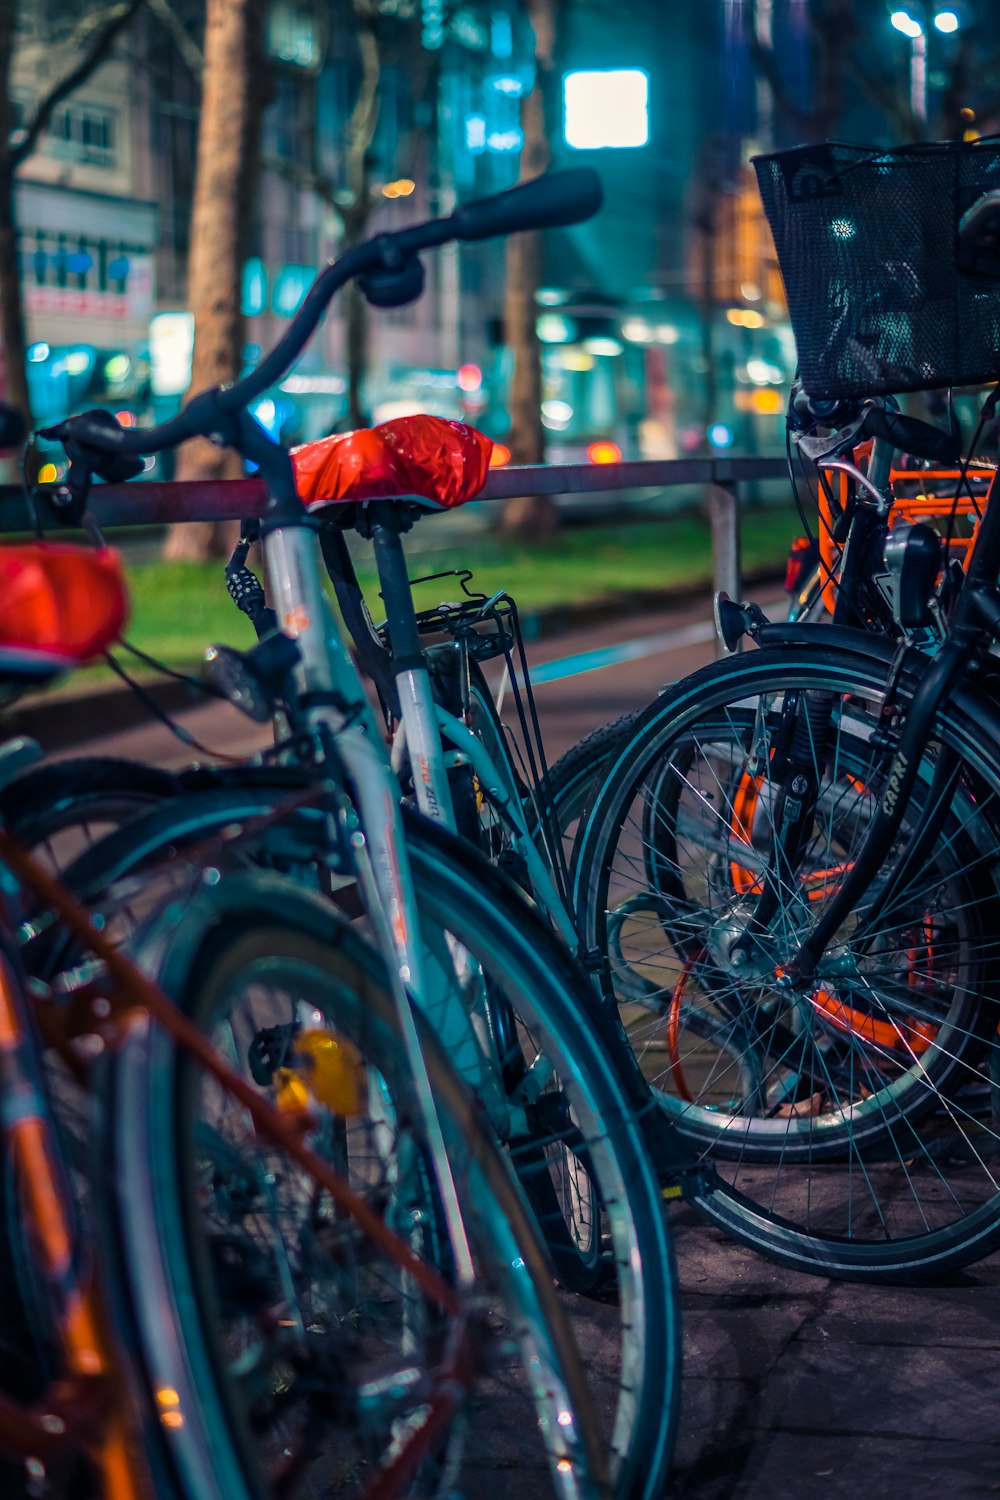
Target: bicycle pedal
(685, 1184)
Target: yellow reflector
(333, 1069)
(292, 1095)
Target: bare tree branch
(306, 179)
(187, 48)
(115, 20)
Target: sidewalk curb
(59, 722)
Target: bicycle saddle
(437, 463)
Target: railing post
(724, 509)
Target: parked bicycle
(577, 1204)
(792, 860)
(514, 1013)
(305, 1271)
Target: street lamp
(912, 23)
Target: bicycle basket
(868, 250)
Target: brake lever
(69, 498)
(817, 447)
(844, 466)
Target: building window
(84, 133)
(77, 263)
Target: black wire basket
(880, 296)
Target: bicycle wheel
(574, 778)
(853, 1121)
(568, 1112)
(580, 1131)
(324, 1361)
(60, 810)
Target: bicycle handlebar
(547, 202)
(556, 198)
(849, 423)
(911, 435)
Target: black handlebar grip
(911, 435)
(544, 203)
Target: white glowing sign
(606, 109)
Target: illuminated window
(606, 109)
(84, 133)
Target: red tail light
(60, 599)
(801, 557)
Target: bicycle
(792, 859)
(550, 1093)
(216, 1234)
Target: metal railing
(161, 503)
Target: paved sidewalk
(798, 1386)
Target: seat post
(385, 521)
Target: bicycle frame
(424, 726)
(922, 506)
(88, 1408)
(331, 697)
(336, 710)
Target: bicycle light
(252, 681)
(913, 559)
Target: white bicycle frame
(335, 703)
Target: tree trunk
(13, 379)
(356, 353)
(228, 146)
(529, 515)
(13, 339)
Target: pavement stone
(797, 1387)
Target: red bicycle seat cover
(442, 461)
(60, 599)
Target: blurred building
(661, 319)
(89, 235)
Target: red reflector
(798, 559)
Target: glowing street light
(912, 22)
(907, 24)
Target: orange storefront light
(604, 453)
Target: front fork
(904, 768)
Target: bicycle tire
(800, 1174)
(167, 1211)
(573, 779)
(91, 795)
(490, 918)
